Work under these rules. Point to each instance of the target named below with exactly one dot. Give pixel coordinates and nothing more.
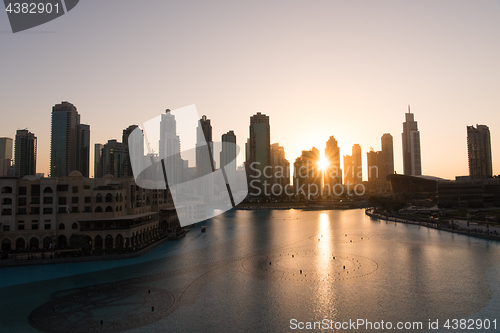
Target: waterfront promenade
(451, 225)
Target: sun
(322, 163)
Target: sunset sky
(317, 68)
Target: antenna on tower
(408, 108)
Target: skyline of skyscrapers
(479, 152)
(412, 165)
(63, 157)
(25, 153)
(69, 141)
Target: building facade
(38, 212)
(479, 152)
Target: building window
(6, 211)
(21, 211)
(6, 189)
(47, 226)
(62, 188)
(6, 228)
(75, 189)
(61, 210)
(88, 209)
(47, 200)
(98, 197)
(88, 199)
(47, 190)
(20, 227)
(74, 209)
(61, 226)
(21, 201)
(62, 200)
(86, 187)
(7, 201)
(109, 197)
(74, 200)
(35, 210)
(47, 210)
(35, 190)
(74, 226)
(35, 200)
(22, 190)
(34, 226)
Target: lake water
(267, 271)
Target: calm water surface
(254, 271)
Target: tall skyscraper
(125, 135)
(204, 151)
(260, 149)
(381, 163)
(5, 148)
(228, 155)
(387, 156)
(170, 147)
(412, 164)
(114, 159)
(306, 174)
(69, 142)
(25, 153)
(348, 170)
(479, 151)
(357, 168)
(5, 156)
(280, 166)
(333, 172)
(97, 160)
(84, 150)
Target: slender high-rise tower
(260, 150)
(25, 153)
(479, 151)
(412, 164)
(386, 156)
(5, 156)
(357, 167)
(333, 173)
(69, 142)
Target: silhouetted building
(6, 148)
(170, 147)
(479, 151)
(125, 135)
(353, 170)
(307, 176)
(114, 159)
(84, 150)
(280, 166)
(260, 150)
(97, 160)
(25, 153)
(333, 172)
(69, 142)
(412, 164)
(204, 147)
(5, 156)
(228, 156)
(380, 164)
